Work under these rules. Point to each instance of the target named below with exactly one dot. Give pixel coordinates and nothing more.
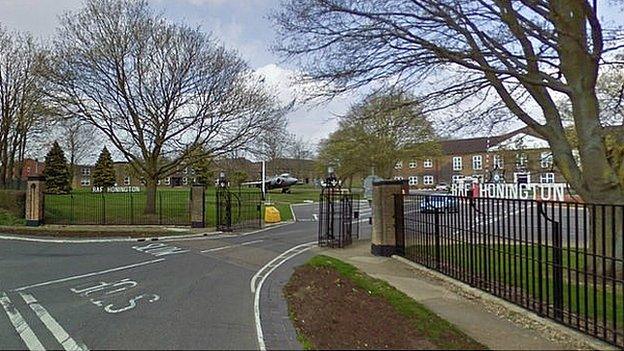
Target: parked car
(439, 203)
(443, 187)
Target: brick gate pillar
(34, 201)
(383, 242)
(198, 217)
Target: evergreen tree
(104, 171)
(205, 171)
(56, 171)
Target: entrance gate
(238, 209)
(338, 218)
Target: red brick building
(516, 157)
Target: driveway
(219, 292)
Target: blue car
(439, 203)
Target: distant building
(304, 170)
(517, 157)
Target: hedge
(13, 201)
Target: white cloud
(312, 121)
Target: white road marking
(20, 325)
(255, 277)
(315, 216)
(273, 264)
(59, 333)
(232, 246)
(111, 240)
(292, 211)
(89, 274)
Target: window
(185, 180)
(457, 163)
(127, 180)
(413, 180)
(522, 159)
(498, 161)
(398, 178)
(477, 162)
(546, 159)
(85, 182)
(86, 171)
(186, 170)
(457, 178)
(412, 164)
(428, 163)
(547, 178)
(398, 165)
(168, 181)
(428, 180)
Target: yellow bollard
(272, 215)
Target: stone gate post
(383, 242)
(34, 201)
(198, 217)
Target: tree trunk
(605, 239)
(151, 187)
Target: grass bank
(334, 305)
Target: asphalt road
(194, 293)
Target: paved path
(183, 294)
(471, 317)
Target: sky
(240, 24)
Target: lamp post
(331, 181)
(223, 182)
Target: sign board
(117, 189)
(524, 191)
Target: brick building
(520, 156)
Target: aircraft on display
(283, 181)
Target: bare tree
(156, 90)
(493, 54)
(300, 148)
(21, 99)
(273, 141)
(80, 140)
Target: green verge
(7, 218)
(439, 331)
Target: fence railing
(561, 260)
(13, 184)
(339, 216)
(172, 208)
(236, 208)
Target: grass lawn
(362, 312)
(117, 208)
(517, 266)
(85, 207)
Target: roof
(480, 144)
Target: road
(219, 292)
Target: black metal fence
(339, 217)
(13, 184)
(172, 208)
(561, 260)
(238, 209)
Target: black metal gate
(338, 218)
(238, 209)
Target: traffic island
(335, 306)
